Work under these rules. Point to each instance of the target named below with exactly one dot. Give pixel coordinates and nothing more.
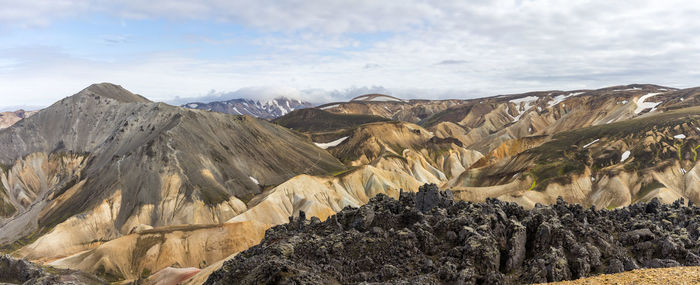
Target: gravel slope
(673, 275)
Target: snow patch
(254, 180)
(528, 101)
(625, 156)
(331, 144)
(590, 143)
(517, 118)
(560, 98)
(329, 107)
(641, 105)
(384, 99)
(193, 106)
(681, 136)
(628, 89)
(380, 98)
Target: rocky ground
(18, 271)
(426, 237)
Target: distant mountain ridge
(261, 109)
(8, 119)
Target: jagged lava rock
(20, 271)
(426, 237)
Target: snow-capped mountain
(262, 109)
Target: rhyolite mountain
(113, 184)
(99, 164)
(391, 107)
(269, 109)
(607, 147)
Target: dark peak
(650, 86)
(313, 119)
(113, 91)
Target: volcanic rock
(425, 237)
(19, 271)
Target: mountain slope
(112, 162)
(112, 91)
(390, 107)
(314, 120)
(486, 123)
(376, 98)
(266, 110)
(608, 165)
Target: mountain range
(109, 183)
(269, 109)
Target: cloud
(321, 49)
(451, 62)
(329, 17)
(264, 93)
(261, 93)
(40, 12)
(116, 39)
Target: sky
(332, 50)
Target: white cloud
(432, 49)
(39, 12)
(330, 17)
(263, 93)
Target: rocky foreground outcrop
(19, 271)
(427, 237)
